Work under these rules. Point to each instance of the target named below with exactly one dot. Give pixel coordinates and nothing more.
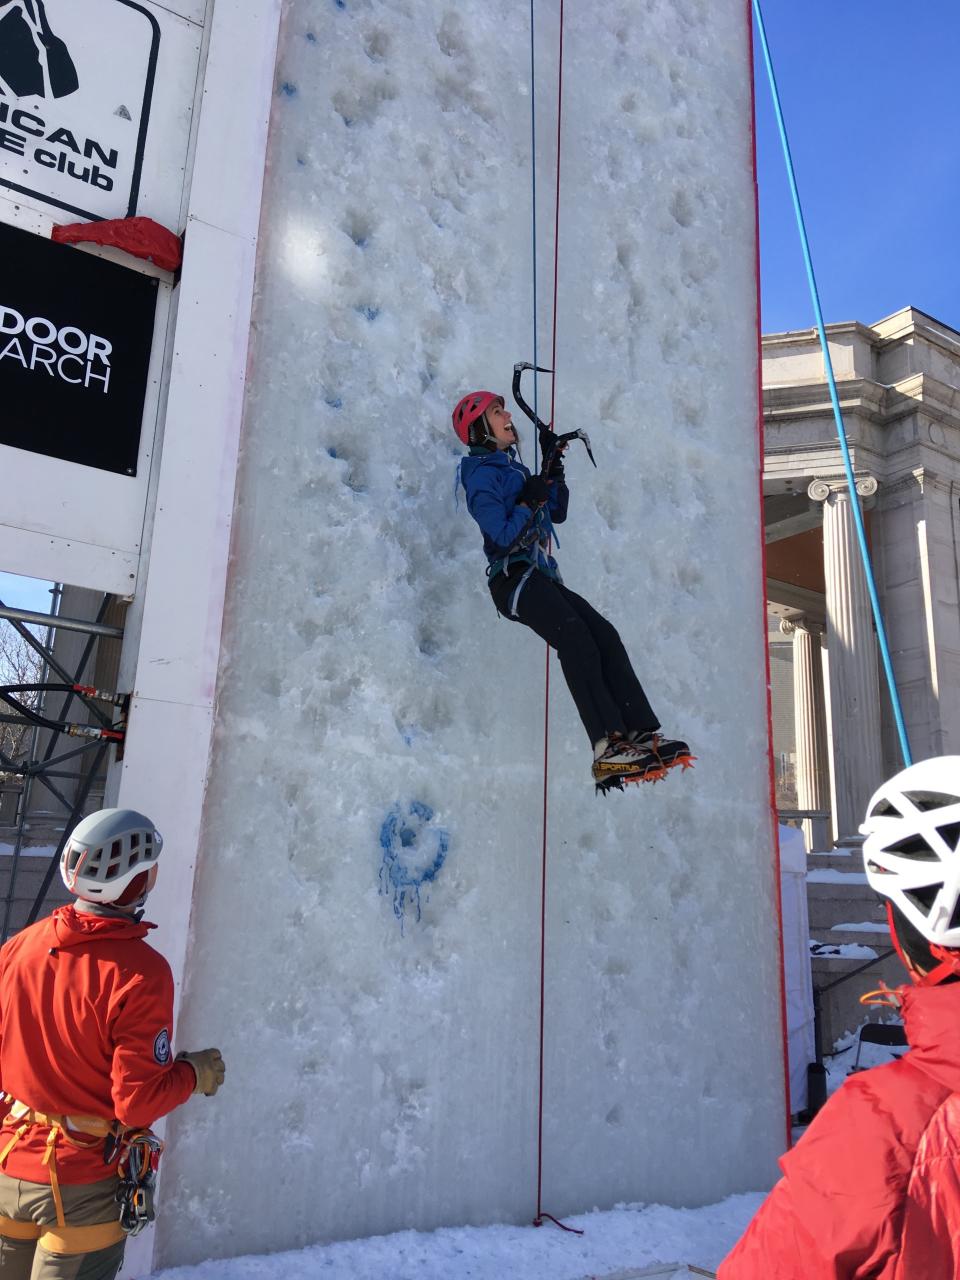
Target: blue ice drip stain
(413, 854)
(288, 89)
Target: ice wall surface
(379, 724)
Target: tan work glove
(208, 1067)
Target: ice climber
(86, 1009)
(516, 512)
(872, 1189)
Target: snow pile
(863, 926)
(618, 1243)
(840, 1063)
(842, 950)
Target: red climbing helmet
(469, 409)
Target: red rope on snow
(541, 1215)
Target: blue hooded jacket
(493, 482)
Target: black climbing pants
(595, 665)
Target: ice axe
(550, 443)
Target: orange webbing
(15, 1230)
(100, 1235)
(81, 1239)
(13, 1142)
(50, 1161)
(882, 996)
(93, 1126)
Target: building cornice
(911, 322)
(908, 322)
(882, 404)
(794, 337)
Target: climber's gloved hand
(208, 1067)
(535, 492)
(548, 439)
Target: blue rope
(835, 399)
(533, 176)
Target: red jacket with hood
(872, 1190)
(86, 1012)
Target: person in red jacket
(86, 1065)
(872, 1189)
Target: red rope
(543, 933)
(763, 586)
(541, 1215)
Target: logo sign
(75, 338)
(76, 82)
(161, 1047)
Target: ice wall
(378, 726)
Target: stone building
(899, 387)
(834, 732)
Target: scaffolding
(47, 787)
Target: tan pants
(33, 1247)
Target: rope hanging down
(834, 397)
(541, 1216)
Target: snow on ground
(633, 1236)
(839, 1064)
(863, 926)
(829, 876)
(846, 950)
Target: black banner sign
(75, 337)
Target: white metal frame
(179, 608)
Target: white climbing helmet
(912, 847)
(105, 854)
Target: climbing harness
(66, 1128)
(834, 398)
(139, 1154)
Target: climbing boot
(669, 751)
(618, 758)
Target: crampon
(653, 773)
(618, 782)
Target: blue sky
(870, 100)
(24, 593)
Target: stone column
(813, 781)
(852, 646)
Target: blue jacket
(493, 482)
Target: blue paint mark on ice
(288, 90)
(341, 4)
(311, 37)
(414, 852)
(335, 402)
(369, 313)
